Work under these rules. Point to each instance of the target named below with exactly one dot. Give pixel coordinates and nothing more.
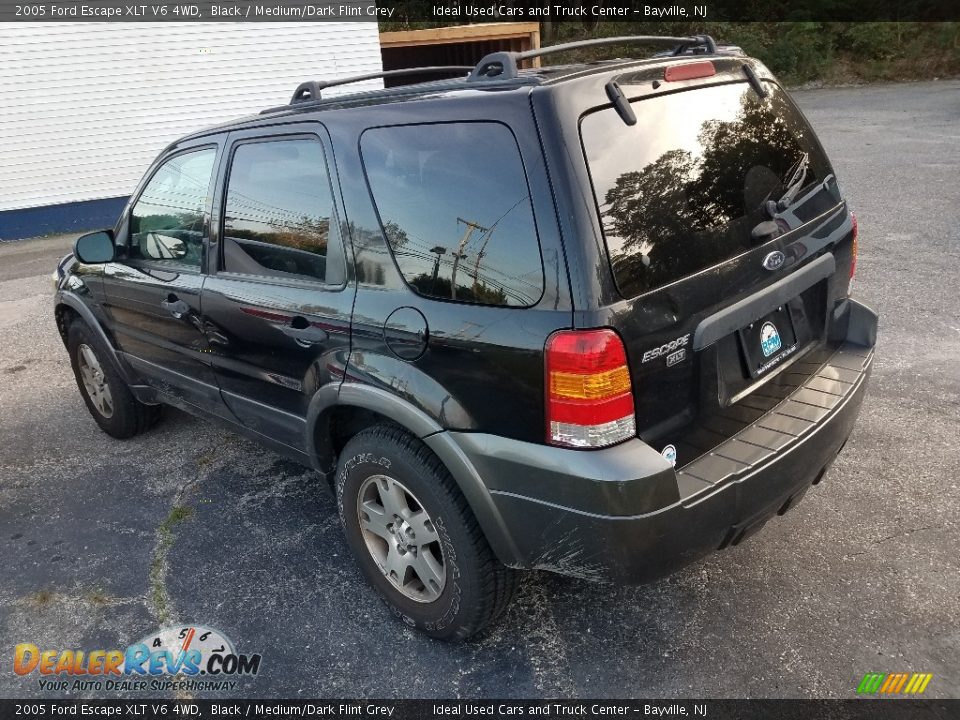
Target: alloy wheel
(94, 381)
(402, 538)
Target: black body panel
(483, 366)
(616, 529)
(154, 306)
(284, 351)
(675, 384)
(275, 340)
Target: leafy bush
(798, 52)
(870, 41)
(802, 52)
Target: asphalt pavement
(102, 542)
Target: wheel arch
(67, 305)
(338, 411)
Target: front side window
(278, 209)
(167, 222)
(455, 207)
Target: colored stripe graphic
(894, 683)
(870, 683)
(901, 681)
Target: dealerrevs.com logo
(192, 657)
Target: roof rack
(734, 50)
(504, 65)
(310, 90)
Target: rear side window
(455, 207)
(277, 210)
(703, 176)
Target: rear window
(455, 207)
(703, 176)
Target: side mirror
(95, 247)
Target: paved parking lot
(102, 542)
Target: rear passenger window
(455, 207)
(278, 210)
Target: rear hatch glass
(704, 175)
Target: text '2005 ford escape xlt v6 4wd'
(593, 319)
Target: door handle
(305, 333)
(176, 307)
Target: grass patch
(41, 598)
(178, 513)
(158, 565)
(99, 598)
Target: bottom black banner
(422, 709)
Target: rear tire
(108, 399)
(415, 538)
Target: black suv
(593, 319)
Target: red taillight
(689, 71)
(589, 393)
(853, 247)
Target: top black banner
(438, 12)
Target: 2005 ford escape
(593, 319)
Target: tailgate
(720, 212)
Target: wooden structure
(454, 45)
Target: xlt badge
(666, 349)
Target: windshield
(703, 176)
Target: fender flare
(78, 306)
(418, 423)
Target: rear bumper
(624, 515)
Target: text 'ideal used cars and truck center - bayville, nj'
(568, 12)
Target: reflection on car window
(703, 176)
(455, 208)
(167, 222)
(277, 211)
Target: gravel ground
(103, 541)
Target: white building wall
(86, 107)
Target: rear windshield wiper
(797, 175)
(620, 103)
(755, 83)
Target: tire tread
(497, 581)
(131, 417)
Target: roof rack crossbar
(504, 65)
(310, 90)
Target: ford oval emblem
(774, 260)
